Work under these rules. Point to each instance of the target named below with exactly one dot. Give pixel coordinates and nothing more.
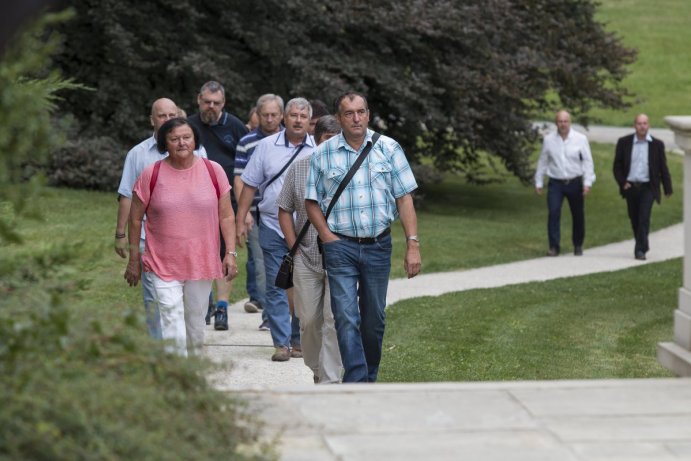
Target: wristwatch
(414, 238)
(234, 253)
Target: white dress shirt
(565, 158)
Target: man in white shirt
(138, 158)
(566, 159)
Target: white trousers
(182, 306)
(317, 331)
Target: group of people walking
(326, 189)
(204, 186)
(640, 168)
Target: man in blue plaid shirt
(357, 237)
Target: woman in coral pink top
(186, 199)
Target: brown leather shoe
(296, 352)
(282, 354)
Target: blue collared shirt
(367, 206)
(243, 153)
(639, 171)
(269, 157)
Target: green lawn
(661, 76)
(463, 226)
(603, 325)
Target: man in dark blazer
(640, 166)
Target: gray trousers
(317, 332)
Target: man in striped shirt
(270, 112)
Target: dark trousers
(573, 192)
(639, 201)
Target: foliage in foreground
(465, 77)
(79, 390)
(76, 384)
(602, 325)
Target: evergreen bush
(91, 163)
(75, 383)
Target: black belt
(364, 240)
(638, 184)
(566, 182)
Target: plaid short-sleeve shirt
(367, 206)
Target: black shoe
(221, 318)
(252, 306)
(553, 252)
(209, 312)
(578, 251)
(640, 256)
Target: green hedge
(74, 386)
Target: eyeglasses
(207, 102)
(349, 114)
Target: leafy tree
(450, 79)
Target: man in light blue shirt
(640, 168)
(265, 171)
(357, 237)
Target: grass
(598, 326)
(661, 76)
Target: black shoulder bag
(284, 278)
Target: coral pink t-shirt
(182, 226)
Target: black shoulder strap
(285, 166)
(351, 173)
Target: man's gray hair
(213, 87)
(267, 98)
(325, 125)
(299, 104)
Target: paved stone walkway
(594, 420)
(559, 420)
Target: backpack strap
(157, 167)
(152, 183)
(154, 177)
(212, 174)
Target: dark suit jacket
(657, 165)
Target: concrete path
(599, 420)
(558, 420)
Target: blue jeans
(276, 307)
(153, 316)
(256, 275)
(573, 192)
(359, 271)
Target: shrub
(92, 163)
(425, 175)
(82, 388)
(76, 386)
